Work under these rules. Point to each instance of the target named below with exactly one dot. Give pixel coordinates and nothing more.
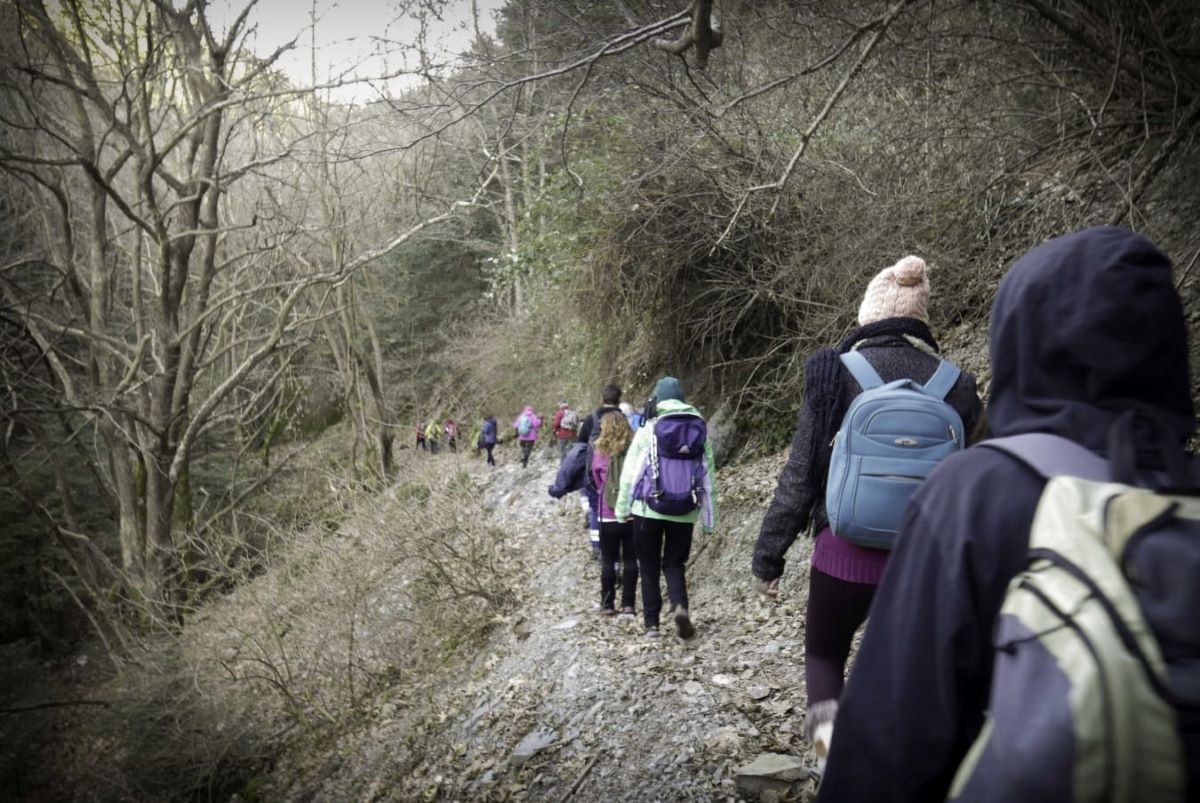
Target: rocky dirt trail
(562, 704)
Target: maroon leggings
(835, 610)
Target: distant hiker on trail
(589, 431)
(566, 426)
(421, 437)
(487, 438)
(668, 481)
(433, 431)
(632, 417)
(526, 426)
(894, 338)
(616, 538)
(451, 430)
(1089, 354)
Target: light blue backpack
(890, 439)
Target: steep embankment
(559, 702)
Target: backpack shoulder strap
(862, 371)
(1052, 455)
(943, 379)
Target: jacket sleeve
(585, 428)
(630, 471)
(790, 508)
(570, 473)
(708, 511)
(917, 693)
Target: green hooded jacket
(639, 453)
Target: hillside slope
(560, 702)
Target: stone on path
(774, 772)
(534, 742)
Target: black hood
(1084, 327)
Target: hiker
(565, 426)
(432, 432)
(589, 431)
(894, 337)
(487, 438)
(632, 417)
(526, 426)
(451, 430)
(610, 400)
(1084, 329)
(616, 538)
(667, 483)
(421, 437)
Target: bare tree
(120, 121)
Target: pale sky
(351, 34)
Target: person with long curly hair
(616, 538)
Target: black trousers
(616, 545)
(662, 548)
(835, 610)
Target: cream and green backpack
(1096, 680)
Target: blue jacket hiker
(487, 438)
(667, 484)
(1084, 328)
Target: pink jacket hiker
(535, 424)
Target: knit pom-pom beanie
(901, 291)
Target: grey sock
(819, 713)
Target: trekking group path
(564, 704)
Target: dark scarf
(823, 386)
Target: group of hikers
(647, 478)
(1029, 574)
(1030, 602)
(431, 433)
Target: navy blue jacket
(488, 435)
(1083, 327)
(570, 472)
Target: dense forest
(228, 295)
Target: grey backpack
(1096, 679)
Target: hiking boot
(683, 623)
(628, 611)
(652, 633)
(605, 612)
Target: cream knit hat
(901, 291)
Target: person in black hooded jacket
(1084, 328)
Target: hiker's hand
(768, 588)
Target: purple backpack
(672, 481)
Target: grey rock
(770, 772)
(723, 434)
(534, 742)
